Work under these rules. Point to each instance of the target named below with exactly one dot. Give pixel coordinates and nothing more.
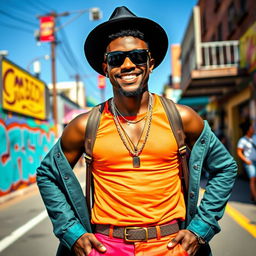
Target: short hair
(245, 126)
(128, 32)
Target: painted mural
(24, 142)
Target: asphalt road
(25, 229)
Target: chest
(111, 152)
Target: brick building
(211, 59)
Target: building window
(231, 17)
(203, 24)
(217, 5)
(242, 10)
(243, 6)
(219, 32)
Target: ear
(105, 67)
(151, 64)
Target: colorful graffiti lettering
(23, 144)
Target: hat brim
(97, 40)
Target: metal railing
(220, 54)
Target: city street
(25, 229)
(78, 72)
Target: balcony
(223, 54)
(211, 71)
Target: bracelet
(200, 240)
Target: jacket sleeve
(222, 170)
(55, 180)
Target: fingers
(85, 243)
(97, 244)
(187, 240)
(176, 239)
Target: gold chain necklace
(135, 152)
(127, 120)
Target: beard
(136, 92)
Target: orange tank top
(126, 196)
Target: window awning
(194, 101)
(197, 103)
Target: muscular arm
(73, 138)
(53, 174)
(223, 171)
(72, 142)
(192, 124)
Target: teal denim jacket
(65, 201)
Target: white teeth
(128, 77)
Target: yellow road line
(241, 220)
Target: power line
(42, 5)
(65, 54)
(20, 12)
(16, 27)
(64, 65)
(18, 19)
(34, 5)
(71, 54)
(14, 7)
(69, 49)
(80, 13)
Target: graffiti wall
(24, 142)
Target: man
(137, 188)
(246, 150)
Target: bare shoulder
(193, 124)
(73, 136)
(75, 130)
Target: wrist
(200, 240)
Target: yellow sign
(21, 92)
(248, 49)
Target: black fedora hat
(122, 18)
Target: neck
(132, 106)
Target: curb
(17, 193)
(31, 188)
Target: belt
(136, 234)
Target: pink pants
(152, 247)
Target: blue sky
(18, 22)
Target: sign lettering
(21, 92)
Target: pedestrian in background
(139, 205)
(246, 150)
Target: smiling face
(128, 79)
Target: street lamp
(36, 64)
(95, 13)
(4, 53)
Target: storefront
(26, 133)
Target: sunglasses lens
(138, 57)
(115, 59)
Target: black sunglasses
(138, 57)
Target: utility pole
(77, 77)
(53, 62)
(95, 14)
(54, 89)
